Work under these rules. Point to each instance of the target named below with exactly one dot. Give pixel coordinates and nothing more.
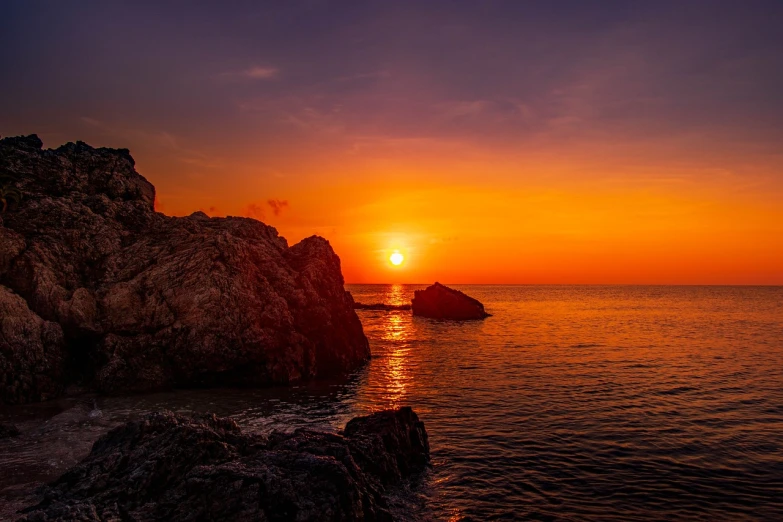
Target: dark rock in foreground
(8, 430)
(182, 468)
(380, 306)
(98, 289)
(441, 302)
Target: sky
(487, 142)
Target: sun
(396, 258)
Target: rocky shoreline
(100, 291)
(197, 467)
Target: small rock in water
(441, 302)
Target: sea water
(569, 403)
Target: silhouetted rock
(184, 468)
(441, 302)
(8, 430)
(97, 288)
(380, 306)
(393, 443)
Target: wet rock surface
(441, 302)
(99, 289)
(175, 467)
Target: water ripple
(569, 403)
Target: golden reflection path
(395, 374)
(397, 296)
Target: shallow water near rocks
(569, 403)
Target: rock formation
(96, 288)
(441, 302)
(180, 468)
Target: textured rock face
(178, 468)
(32, 356)
(441, 302)
(393, 443)
(112, 294)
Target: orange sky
(509, 142)
(469, 215)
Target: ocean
(569, 403)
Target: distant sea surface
(569, 403)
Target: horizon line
(767, 285)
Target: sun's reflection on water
(395, 373)
(397, 328)
(397, 295)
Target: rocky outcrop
(97, 288)
(441, 302)
(179, 468)
(380, 306)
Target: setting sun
(364, 218)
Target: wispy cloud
(254, 211)
(440, 240)
(211, 211)
(257, 211)
(260, 72)
(255, 72)
(155, 138)
(361, 76)
(277, 205)
(460, 109)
